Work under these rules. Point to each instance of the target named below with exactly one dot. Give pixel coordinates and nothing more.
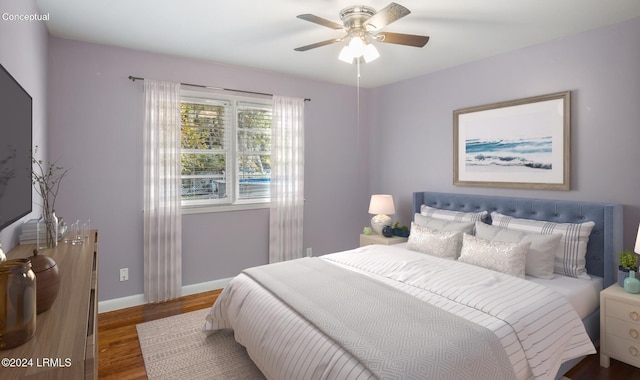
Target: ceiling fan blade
(402, 39)
(321, 21)
(318, 44)
(386, 16)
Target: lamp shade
(637, 248)
(346, 55)
(381, 204)
(370, 53)
(356, 45)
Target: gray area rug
(177, 348)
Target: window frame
(234, 202)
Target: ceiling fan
(362, 24)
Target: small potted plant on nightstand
(400, 231)
(628, 261)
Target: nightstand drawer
(624, 350)
(624, 311)
(624, 330)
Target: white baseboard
(138, 299)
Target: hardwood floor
(120, 357)
(589, 369)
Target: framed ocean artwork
(523, 143)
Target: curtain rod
(133, 79)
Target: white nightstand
(619, 326)
(379, 239)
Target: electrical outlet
(124, 274)
(309, 252)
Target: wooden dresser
(65, 344)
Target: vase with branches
(46, 179)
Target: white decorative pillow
(572, 249)
(542, 252)
(509, 258)
(445, 244)
(443, 225)
(457, 216)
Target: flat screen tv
(15, 150)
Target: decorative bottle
(631, 283)
(54, 229)
(18, 302)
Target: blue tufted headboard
(605, 240)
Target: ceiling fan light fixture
(359, 22)
(346, 55)
(370, 53)
(356, 45)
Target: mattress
(283, 345)
(584, 295)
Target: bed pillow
(542, 252)
(572, 249)
(443, 225)
(445, 244)
(457, 216)
(500, 256)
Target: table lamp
(637, 248)
(382, 206)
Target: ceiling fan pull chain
(358, 99)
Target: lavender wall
(96, 128)
(23, 52)
(412, 122)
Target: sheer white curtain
(162, 220)
(287, 179)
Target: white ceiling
(262, 34)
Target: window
(226, 150)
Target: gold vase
(17, 302)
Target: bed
(362, 314)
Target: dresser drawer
(624, 330)
(623, 349)
(623, 311)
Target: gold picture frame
(521, 144)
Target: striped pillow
(570, 254)
(456, 216)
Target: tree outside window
(226, 151)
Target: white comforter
(537, 327)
